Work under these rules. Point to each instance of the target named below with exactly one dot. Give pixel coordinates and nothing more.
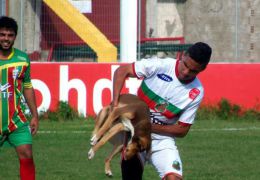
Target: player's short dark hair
(8, 23)
(200, 52)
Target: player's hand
(34, 124)
(114, 103)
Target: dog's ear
(144, 144)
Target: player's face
(188, 69)
(7, 38)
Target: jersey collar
(10, 55)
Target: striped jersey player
(16, 86)
(14, 77)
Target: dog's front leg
(114, 130)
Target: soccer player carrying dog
(15, 83)
(173, 93)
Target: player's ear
(203, 67)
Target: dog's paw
(93, 140)
(91, 154)
(109, 173)
(93, 137)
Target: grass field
(213, 149)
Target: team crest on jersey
(176, 165)
(164, 77)
(161, 106)
(15, 73)
(194, 93)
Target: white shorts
(165, 156)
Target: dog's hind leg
(114, 130)
(126, 112)
(116, 149)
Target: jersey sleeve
(188, 115)
(27, 76)
(146, 67)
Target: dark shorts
(132, 169)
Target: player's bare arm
(176, 130)
(29, 96)
(120, 75)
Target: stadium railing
(69, 51)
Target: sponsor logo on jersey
(164, 77)
(4, 87)
(21, 58)
(4, 92)
(194, 93)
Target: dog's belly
(118, 138)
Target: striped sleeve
(27, 75)
(28, 85)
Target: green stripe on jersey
(157, 99)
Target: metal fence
(230, 27)
(2, 7)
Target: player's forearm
(120, 75)
(29, 96)
(175, 130)
(118, 82)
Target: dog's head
(138, 144)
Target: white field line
(228, 129)
(62, 132)
(198, 130)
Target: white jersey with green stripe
(169, 99)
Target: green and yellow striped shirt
(14, 77)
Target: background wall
(230, 27)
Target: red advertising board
(236, 82)
(88, 86)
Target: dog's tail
(128, 127)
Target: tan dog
(131, 115)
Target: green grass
(212, 150)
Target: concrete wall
(230, 27)
(26, 13)
(164, 19)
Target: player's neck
(5, 54)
